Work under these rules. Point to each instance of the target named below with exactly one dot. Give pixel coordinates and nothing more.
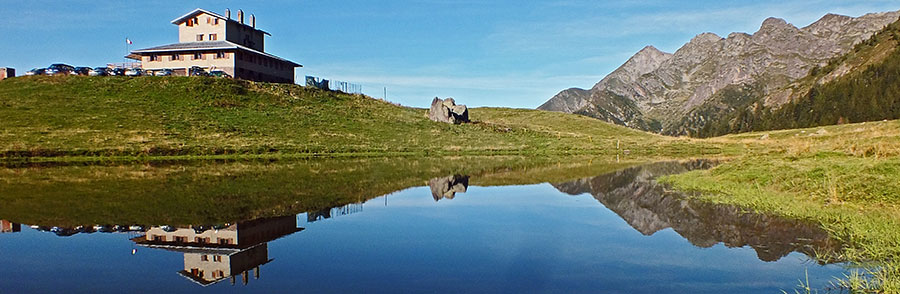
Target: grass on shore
(845, 177)
(46, 118)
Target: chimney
(241, 16)
(227, 13)
(253, 20)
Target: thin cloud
(592, 32)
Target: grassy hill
(165, 116)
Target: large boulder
(447, 111)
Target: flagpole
(124, 57)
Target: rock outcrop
(676, 94)
(447, 111)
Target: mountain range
(699, 89)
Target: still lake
(566, 229)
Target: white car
(134, 72)
(98, 71)
(163, 73)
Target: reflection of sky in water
(526, 239)
(489, 239)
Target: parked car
(81, 71)
(116, 72)
(219, 73)
(164, 73)
(59, 68)
(196, 71)
(36, 72)
(134, 72)
(98, 72)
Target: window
(220, 55)
(154, 57)
(158, 238)
(216, 21)
(189, 23)
(175, 57)
(201, 240)
(217, 258)
(198, 56)
(180, 239)
(204, 258)
(213, 37)
(200, 37)
(208, 20)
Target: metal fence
(340, 86)
(124, 65)
(328, 213)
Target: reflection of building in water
(334, 211)
(9, 227)
(447, 187)
(212, 255)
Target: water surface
(607, 230)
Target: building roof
(208, 45)
(191, 14)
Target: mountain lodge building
(215, 42)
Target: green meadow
(205, 143)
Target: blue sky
(483, 53)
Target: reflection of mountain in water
(649, 208)
(212, 255)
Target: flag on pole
(128, 41)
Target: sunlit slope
(102, 116)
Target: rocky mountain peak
(828, 24)
(832, 18)
(705, 38)
(775, 27)
(774, 23)
(646, 60)
(649, 49)
(708, 76)
(643, 62)
(568, 100)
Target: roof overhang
(133, 56)
(205, 46)
(194, 12)
(197, 11)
